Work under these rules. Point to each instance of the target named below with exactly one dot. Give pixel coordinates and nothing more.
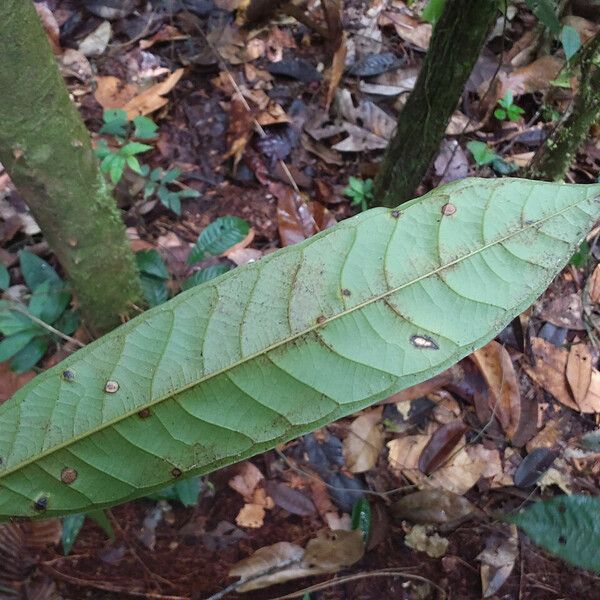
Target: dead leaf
(423, 539)
(294, 501)
(451, 162)
(535, 77)
(432, 506)
(548, 436)
(247, 480)
(335, 72)
(236, 248)
(239, 131)
(549, 372)
(96, 42)
(10, 381)
(533, 466)
(251, 515)
(564, 311)
(460, 123)
(440, 445)
(579, 371)
(167, 33)
(152, 98)
(50, 25)
(498, 371)
(498, 560)
(73, 63)
(408, 28)
(111, 92)
(586, 29)
(364, 442)
(325, 153)
(594, 286)
(328, 552)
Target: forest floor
(509, 424)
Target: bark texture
(560, 149)
(455, 46)
(46, 149)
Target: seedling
(360, 192)
(507, 109)
(114, 160)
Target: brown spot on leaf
(111, 387)
(176, 472)
(321, 319)
(144, 413)
(346, 292)
(68, 475)
(395, 214)
(448, 209)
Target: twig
(18, 308)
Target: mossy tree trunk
(46, 149)
(560, 149)
(455, 46)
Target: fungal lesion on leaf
(423, 341)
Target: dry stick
(367, 574)
(17, 308)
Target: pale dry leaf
(432, 506)
(594, 286)
(251, 516)
(423, 539)
(451, 162)
(460, 123)
(585, 28)
(564, 311)
(50, 25)
(243, 256)
(494, 363)
(111, 92)
(240, 245)
(152, 98)
(547, 437)
(408, 28)
(498, 560)
(549, 372)
(73, 63)
(246, 480)
(333, 550)
(335, 72)
(579, 372)
(534, 77)
(364, 441)
(95, 43)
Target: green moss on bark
(455, 46)
(560, 149)
(46, 149)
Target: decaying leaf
(111, 92)
(504, 396)
(424, 539)
(364, 442)
(579, 372)
(440, 445)
(408, 28)
(564, 311)
(247, 483)
(95, 43)
(533, 466)
(549, 372)
(327, 553)
(335, 72)
(50, 25)
(498, 560)
(152, 98)
(432, 506)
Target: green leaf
(500, 114)
(187, 492)
(30, 355)
(117, 166)
(171, 175)
(204, 275)
(13, 321)
(570, 41)
(145, 128)
(132, 148)
(49, 301)
(169, 199)
(101, 519)
(156, 174)
(68, 322)
(35, 270)
(107, 161)
(545, 11)
(567, 526)
(433, 11)
(102, 150)
(279, 347)
(361, 517)
(149, 189)
(155, 290)
(134, 164)
(481, 152)
(218, 237)
(581, 257)
(13, 344)
(188, 193)
(71, 527)
(150, 262)
(4, 277)
(115, 122)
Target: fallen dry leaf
(73, 63)
(167, 33)
(498, 560)
(564, 311)
(328, 552)
(432, 506)
(423, 539)
(549, 372)
(364, 441)
(408, 28)
(579, 371)
(111, 92)
(497, 369)
(594, 286)
(251, 515)
(10, 381)
(335, 72)
(246, 480)
(585, 28)
(152, 98)
(440, 445)
(451, 163)
(50, 26)
(95, 43)
(535, 77)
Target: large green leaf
(279, 347)
(568, 526)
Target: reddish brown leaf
(241, 128)
(579, 371)
(497, 369)
(50, 26)
(335, 72)
(10, 381)
(440, 446)
(294, 501)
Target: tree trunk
(455, 46)
(46, 149)
(560, 149)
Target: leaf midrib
(287, 340)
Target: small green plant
(360, 192)
(123, 153)
(26, 340)
(484, 155)
(507, 109)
